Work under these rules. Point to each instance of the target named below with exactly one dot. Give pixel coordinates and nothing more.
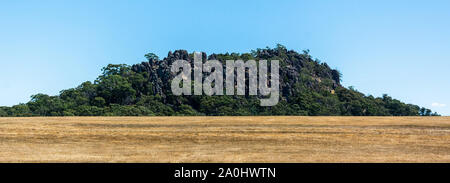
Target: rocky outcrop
(295, 68)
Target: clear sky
(401, 48)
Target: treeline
(308, 87)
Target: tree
(115, 69)
(21, 110)
(4, 111)
(115, 89)
(44, 105)
(99, 102)
(151, 57)
(186, 110)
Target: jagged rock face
(291, 72)
(159, 70)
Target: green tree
(151, 56)
(116, 89)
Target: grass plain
(225, 139)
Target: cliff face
(296, 70)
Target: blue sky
(400, 47)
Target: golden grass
(225, 139)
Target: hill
(307, 87)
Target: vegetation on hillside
(308, 87)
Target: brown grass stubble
(225, 139)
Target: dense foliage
(308, 87)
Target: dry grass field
(225, 139)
